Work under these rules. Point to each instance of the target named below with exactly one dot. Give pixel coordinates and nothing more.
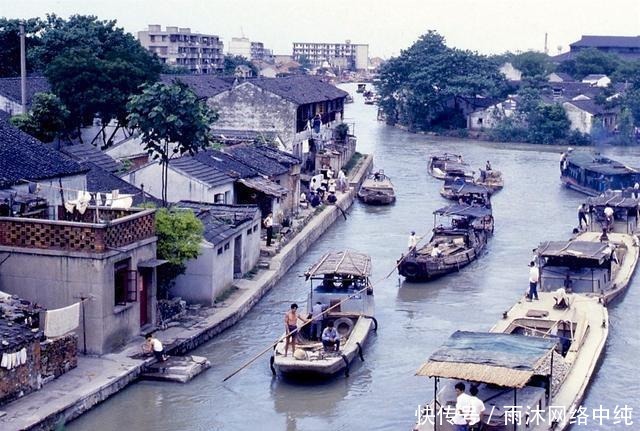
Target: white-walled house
(188, 180)
(488, 118)
(230, 249)
(584, 114)
(597, 80)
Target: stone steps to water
(176, 369)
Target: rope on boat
(346, 365)
(360, 351)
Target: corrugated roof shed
(24, 157)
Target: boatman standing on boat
(582, 216)
(413, 242)
(291, 327)
(534, 276)
(477, 409)
(463, 408)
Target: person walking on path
(268, 223)
(534, 277)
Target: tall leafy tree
(425, 86)
(10, 46)
(47, 120)
(172, 121)
(94, 67)
(548, 124)
(589, 61)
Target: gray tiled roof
(300, 89)
(89, 153)
(279, 156)
(589, 106)
(221, 221)
(203, 172)
(203, 85)
(10, 88)
(607, 41)
(251, 156)
(101, 180)
(225, 163)
(24, 157)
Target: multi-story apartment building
(199, 53)
(254, 51)
(340, 55)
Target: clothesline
(78, 190)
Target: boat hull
(377, 198)
(330, 366)
(572, 184)
(418, 268)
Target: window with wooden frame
(125, 283)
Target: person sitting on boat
(435, 251)
(377, 176)
(487, 167)
(330, 338)
(562, 300)
(332, 199)
(460, 159)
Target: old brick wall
(22, 379)
(58, 356)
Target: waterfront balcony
(90, 232)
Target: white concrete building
(340, 55)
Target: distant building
(10, 93)
(199, 53)
(510, 72)
(597, 80)
(626, 47)
(555, 77)
(339, 55)
(253, 51)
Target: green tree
(179, 235)
(233, 61)
(532, 64)
(590, 61)
(94, 67)
(172, 121)
(10, 46)
(548, 124)
(47, 120)
(626, 129)
(425, 87)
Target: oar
(271, 346)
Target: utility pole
(546, 47)
(23, 68)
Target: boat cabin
(625, 207)
(340, 276)
(456, 187)
(593, 174)
(507, 369)
(589, 265)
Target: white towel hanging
(23, 356)
(5, 360)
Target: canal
(382, 392)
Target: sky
(486, 26)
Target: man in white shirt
(316, 322)
(435, 251)
(330, 338)
(534, 277)
(477, 409)
(463, 409)
(608, 218)
(268, 223)
(413, 241)
(156, 347)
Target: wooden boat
(338, 276)
(538, 357)
(361, 88)
(600, 269)
(491, 179)
(459, 244)
(446, 164)
(377, 189)
(626, 211)
(593, 174)
(457, 188)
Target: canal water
(382, 392)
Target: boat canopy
(599, 164)
(508, 360)
(345, 262)
(463, 210)
(446, 156)
(614, 200)
(597, 251)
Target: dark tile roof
(220, 221)
(10, 88)
(564, 76)
(225, 163)
(589, 106)
(590, 41)
(203, 85)
(101, 180)
(243, 136)
(203, 172)
(300, 89)
(570, 90)
(24, 157)
(281, 157)
(89, 153)
(250, 156)
(15, 333)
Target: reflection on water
(382, 393)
